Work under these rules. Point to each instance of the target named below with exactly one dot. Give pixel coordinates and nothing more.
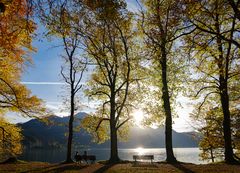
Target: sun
(140, 150)
(138, 117)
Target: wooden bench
(143, 157)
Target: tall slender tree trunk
(167, 108)
(211, 153)
(70, 131)
(70, 124)
(229, 158)
(223, 87)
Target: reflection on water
(190, 155)
(44, 155)
(140, 150)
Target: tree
(109, 41)
(235, 7)
(210, 126)
(162, 25)
(16, 32)
(63, 20)
(15, 45)
(235, 117)
(231, 7)
(215, 59)
(10, 140)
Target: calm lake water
(190, 155)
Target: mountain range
(38, 134)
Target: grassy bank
(130, 167)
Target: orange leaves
(16, 31)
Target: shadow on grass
(182, 168)
(104, 168)
(57, 168)
(144, 164)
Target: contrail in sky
(43, 83)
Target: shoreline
(190, 155)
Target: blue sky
(44, 80)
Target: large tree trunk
(114, 146)
(167, 108)
(113, 132)
(70, 131)
(229, 158)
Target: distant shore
(189, 155)
(125, 167)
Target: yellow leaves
(90, 123)
(106, 9)
(16, 31)
(123, 134)
(212, 130)
(29, 104)
(10, 139)
(16, 97)
(98, 127)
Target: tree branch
(203, 88)
(121, 124)
(100, 122)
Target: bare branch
(64, 77)
(204, 88)
(183, 34)
(101, 93)
(205, 98)
(217, 34)
(77, 86)
(121, 124)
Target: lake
(190, 155)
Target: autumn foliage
(16, 32)
(10, 139)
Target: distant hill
(39, 135)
